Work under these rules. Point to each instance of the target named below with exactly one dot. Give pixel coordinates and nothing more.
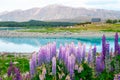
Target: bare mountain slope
(59, 13)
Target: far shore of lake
(57, 34)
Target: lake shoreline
(56, 35)
(16, 53)
(9, 38)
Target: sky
(10, 5)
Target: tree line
(112, 21)
(35, 23)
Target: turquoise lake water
(33, 44)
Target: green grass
(22, 63)
(75, 29)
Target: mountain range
(59, 13)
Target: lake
(8, 44)
(11, 28)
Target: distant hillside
(59, 13)
(33, 23)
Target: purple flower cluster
(103, 47)
(99, 64)
(102, 60)
(14, 71)
(70, 54)
(18, 75)
(45, 55)
(78, 51)
(117, 46)
(33, 64)
(71, 64)
(89, 59)
(10, 69)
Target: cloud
(101, 2)
(104, 4)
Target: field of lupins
(71, 62)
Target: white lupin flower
(76, 66)
(41, 77)
(67, 77)
(80, 69)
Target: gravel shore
(60, 34)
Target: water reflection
(32, 44)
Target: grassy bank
(76, 29)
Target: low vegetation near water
(50, 27)
(76, 28)
(22, 62)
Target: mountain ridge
(59, 13)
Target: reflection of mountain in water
(29, 41)
(38, 41)
(32, 44)
(43, 41)
(95, 40)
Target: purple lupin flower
(48, 54)
(72, 64)
(69, 62)
(53, 49)
(118, 76)
(34, 58)
(107, 58)
(32, 68)
(83, 52)
(44, 53)
(66, 56)
(54, 65)
(63, 53)
(99, 64)
(0, 78)
(107, 49)
(33, 64)
(94, 50)
(10, 69)
(79, 49)
(103, 47)
(118, 49)
(89, 59)
(72, 48)
(14, 71)
(60, 51)
(116, 44)
(39, 57)
(18, 75)
(94, 56)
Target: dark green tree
(119, 20)
(109, 21)
(115, 21)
